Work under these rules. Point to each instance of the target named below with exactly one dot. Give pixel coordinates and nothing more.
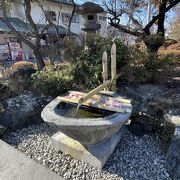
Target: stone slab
(93, 154)
(15, 165)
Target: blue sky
(82, 1)
(171, 15)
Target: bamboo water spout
(106, 83)
(97, 90)
(93, 92)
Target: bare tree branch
(125, 29)
(155, 18)
(48, 18)
(27, 4)
(71, 17)
(5, 19)
(23, 36)
(129, 10)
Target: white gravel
(136, 158)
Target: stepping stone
(15, 165)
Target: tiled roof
(52, 30)
(90, 7)
(63, 1)
(21, 26)
(18, 24)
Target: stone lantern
(89, 13)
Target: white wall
(103, 22)
(17, 10)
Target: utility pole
(115, 9)
(149, 11)
(149, 14)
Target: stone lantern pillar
(89, 13)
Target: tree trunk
(71, 18)
(161, 19)
(152, 48)
(39, 59)
(153, 42)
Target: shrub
(18, 78)
(54, 80)
(153, 42)
(137, 69)
(89, 62)
(22, 74)
(72, 48)
(5, 92)
(143, 66)
(22, 65)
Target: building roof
(18, 24)
(21, 26)
(68, 2)
(53, 30)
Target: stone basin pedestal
(93, 154)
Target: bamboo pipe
(113, 67)
(93, 92)
(97, 90)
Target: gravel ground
(136, 158)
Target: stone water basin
(88, 125)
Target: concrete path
(15, 165)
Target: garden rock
(23, 110)
(5, 92)
(2, 130)
(142, 95)
(173, 117)
(173, 155)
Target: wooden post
(105, 68)
(113, 67)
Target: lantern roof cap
(88, 7)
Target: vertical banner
(16, 51)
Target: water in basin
(70, 111)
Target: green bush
(136, 69)
(54, 80)
(143, 66)
(154, 42)
(22, 65)
(5, 91)
(18, 77)
(72, 48)
(89, 62)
